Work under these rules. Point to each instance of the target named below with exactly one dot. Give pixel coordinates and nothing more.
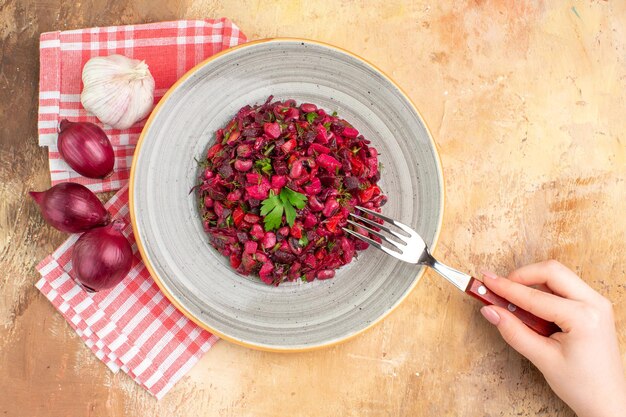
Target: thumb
(538, 349)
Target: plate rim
(152, 271)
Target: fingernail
(488, 274)
(491, 315)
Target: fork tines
(365, 221)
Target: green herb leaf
(272, 210)
(273, 207)
(310, 117)
(303, 241)
(269, 203)
(297, 199)
(264, 165)
(334, 114)
(299, 129)
(327, 125)
(290, 214)
(268, 149)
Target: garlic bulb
(118, 90)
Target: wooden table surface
(526, 101)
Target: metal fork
(411, 248)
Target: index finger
(556, 276)
(544, 305)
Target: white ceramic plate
(197, 279)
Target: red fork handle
(480, 291)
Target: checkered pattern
(131, 327)
(169, 48)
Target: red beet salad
(278, 186)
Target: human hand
(582, 364)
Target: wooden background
(526, 102)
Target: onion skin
(86, 148)
(71, 208)
(101, 258)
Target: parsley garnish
(273, 207)
(268, 149)
(334, 114)
(311, 116)
(303, 241)
(264, 165)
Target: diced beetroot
(296, 169)
(330, 207)
(251, 218)
(233, 137)
(247, 262)
(238, 216)
(358, 168)
(257, 231)
(294, 270)
(218, 208)
(272, 130)
(366, 194)
(310, 261)
(279, 181)
(261, 257)
(244, 150)
(253, 178)
(294, 246)
(235, 195)
(321, 136)
(308, 107)
(288, 146)
(265, 273)
(292, 113)
(314, 204)
(351, 183)
(213, 150)
(208, 174)
(359, 244)
(296, 230)
(310, 220)
(208, 202)
(235, 261)
(250, 246)
(284, 231)
(260, 191)
(372, 165)
(328, 162)
(314, 188)
(309, 276)
(243, 165)
(269, 240)
(334, 222)
(350, 132)
(325, 274)
(317, 148)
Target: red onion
(86, 148)
(71, 207)
(102, 257)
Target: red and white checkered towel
(169, 48)
(133, 326)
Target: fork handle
(480, 291)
